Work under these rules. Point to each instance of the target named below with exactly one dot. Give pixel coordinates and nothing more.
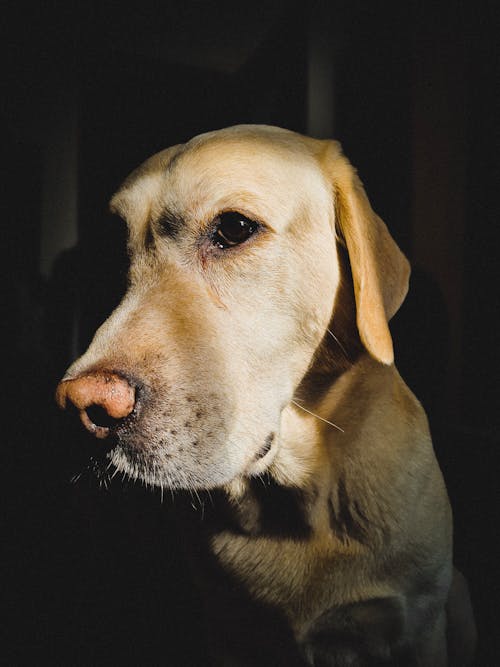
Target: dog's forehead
(264, 166)
(222, 171)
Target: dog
(251, 363)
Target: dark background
(93, 576)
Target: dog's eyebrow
(169, 223)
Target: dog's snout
(102, 399)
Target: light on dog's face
(232, 283)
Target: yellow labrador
(251, 360)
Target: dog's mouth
(186, 443)
(123, 458)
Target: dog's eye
(232, 229)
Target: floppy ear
(380, 271)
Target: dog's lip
(266, 447)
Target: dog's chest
(279, 547)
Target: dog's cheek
(182, 459)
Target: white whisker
(318, 417)
(339, 344)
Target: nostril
(103, 400)
(98, 416)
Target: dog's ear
(380, 271)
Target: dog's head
(233, 283)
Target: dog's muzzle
(103, 400)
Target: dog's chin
(157, 468)
(153, 470)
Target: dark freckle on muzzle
(267, 446)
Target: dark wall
(95, 576)
(131, 107)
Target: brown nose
(102, 399)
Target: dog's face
(232, 283)
(233, 280)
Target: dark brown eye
(232, 229)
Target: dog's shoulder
(384, 456)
